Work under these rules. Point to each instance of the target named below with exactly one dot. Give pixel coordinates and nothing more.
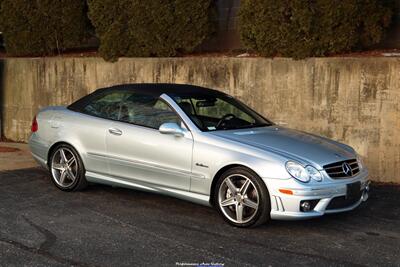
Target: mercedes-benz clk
(200, 145)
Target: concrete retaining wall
(353, 100)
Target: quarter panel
(40, 141)
(86, 134)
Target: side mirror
(171, 128)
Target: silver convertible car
(200, 145)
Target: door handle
(115, 131)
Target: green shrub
(42, 27)
(302, 28)
(150, 28)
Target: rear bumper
(38, 150)
(40, 161)
(328, 197)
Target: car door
(138, 152)
(92, 124)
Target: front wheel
(67, 170)
(242, 198)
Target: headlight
(302, 174)
(314, 173)
(360, 162)
(297, 171)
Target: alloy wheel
(64, 167)
(238, 198)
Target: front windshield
(219, 112)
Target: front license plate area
(353, 190)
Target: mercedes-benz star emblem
(347, 169)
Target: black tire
(80, 181)
(261, 215)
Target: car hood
(293, 144)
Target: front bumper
(325, 195)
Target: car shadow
(130, 218)
(383, 204)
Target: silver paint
(183, 161)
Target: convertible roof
(158, 89)
(155, 89)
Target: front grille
(337, 170)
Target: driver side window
(131, 107)
(146, 110)
(219, 109)
(106, 106)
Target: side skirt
(138, 185)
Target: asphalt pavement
(105, 226)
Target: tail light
(35, 126)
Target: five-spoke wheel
(242, 198)
(64, 167)
(67, 169)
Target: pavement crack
(43, 253)
(43, 249)
(50, 238)
(158, 236)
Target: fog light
(308, 205)
(305, 206)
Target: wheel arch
(55, 145)
(221, 171)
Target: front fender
(209, 158)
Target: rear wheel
(67, 170)
(242, 198)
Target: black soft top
(155, 89)
(158, 89)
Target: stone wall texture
(352, 100)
